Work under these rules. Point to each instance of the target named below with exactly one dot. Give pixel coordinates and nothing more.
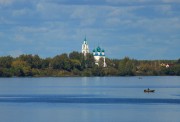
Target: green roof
(98, 49)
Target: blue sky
(140, 29)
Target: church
(98, 53)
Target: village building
(165, 65)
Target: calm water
(92, 99)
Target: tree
(126, 67)
(5, 62)
(76, 55)
(89, 61)
(4, 72)
(36, 62)
(33, 61)
(76, 64)
(45, 63)
(61, 62)
(97, 71)
(110, 63)
(78, 60)
(21, 68)
(178, 61)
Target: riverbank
(75, 64)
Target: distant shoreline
(84, 76)
(76, 65)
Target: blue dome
(98, 49)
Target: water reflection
(88, 99)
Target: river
(90, 99)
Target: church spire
(85, 47)
(85, 40)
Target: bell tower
(85, 47)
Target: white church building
(98, 53)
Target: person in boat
(148, 90)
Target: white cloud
(127, 1)
(171, 1)
(22, 39)
(15, 53)
(125, 17)
(118, 22)
(121, 16)
(83, 15)
(55, 24)
(164, 9)
(87, 22)
(123, 11)
(79, 13)
(159, 25)
(113, 21)
(1, 34)
(20, 12)
(158, 53)
(86, 15)
(6, 2)
(141, 1)
(53, 11)
(40, 6)
(32, 29)
(5, 21)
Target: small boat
(149, 90)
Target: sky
(139, 29)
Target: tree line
(76, 64)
